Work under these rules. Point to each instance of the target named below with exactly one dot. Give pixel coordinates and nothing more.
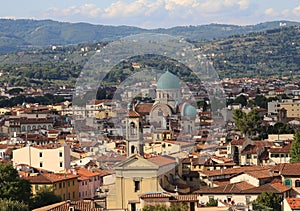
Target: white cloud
(296, 11)
(155, 13)
(271, 12)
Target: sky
(153, 13)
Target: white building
(42, 157)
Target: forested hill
(16, 35)
(275, 52)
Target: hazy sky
(154, 13)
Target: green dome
(189, 110)
(168, 81)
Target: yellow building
(64, 185)
(138, 175)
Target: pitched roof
(284, 149)
(287, 169)
(133, 114)
(238, 187)
(234, 171)
(144, 108)
(82, 205)
(269, 187)
(294, 203)
(261, 174)
(161, 160)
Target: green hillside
(17, 35)
(264, 54)
(275, 52)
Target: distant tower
(134, 134)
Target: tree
(240, 122)
(242, 99)
(246, 123)
(8, 204)
(269, 199)
(45, 196)
(295, 148)
(12, 186)
(212, 203)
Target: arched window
(297, 183)
(132, 128)
(132, 149)
(160, 113)
(23, 128)
(28, 128)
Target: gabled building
(64, 185)
(138, 175)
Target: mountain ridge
(21, 34)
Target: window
(69, 183)
(60, 164)
(73, 182)
(248, 156)
(132, 149)
(41, 164)
(36, 187)
(79, 195)
(297, 183)
(73, 194)
(136, 186)
(60, 154)
(59, 185)
(41, 154)
(228, 198)
(64, 185)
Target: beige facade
(135, 176)
(292, 107)
(54, 159)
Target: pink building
(89, 181)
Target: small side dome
(168, 81)
(189, 111)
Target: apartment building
(49, 157)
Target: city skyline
(154, 13)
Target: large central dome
(168, 81)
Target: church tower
(134, 134)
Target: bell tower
(134, 134)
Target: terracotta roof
(239, 141)
(133, 114)
(294, 203)
(144, 108)
(86, 173)
(83, 205)
(238, 187)
(284, 149)
(269, 187)
(287, 169)
(161, 160)
(38, 179)
(261, 174)
(256, 147)
(234, 171)
(60, 177)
